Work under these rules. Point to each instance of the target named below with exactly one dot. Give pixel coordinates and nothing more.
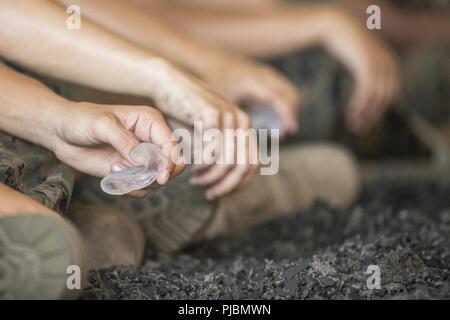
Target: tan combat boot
(170, 217)
(178, 215)
(41, 257)
(307, 174)
(111, 237)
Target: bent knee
(333, 174)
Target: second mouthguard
(265, 118)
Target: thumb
(113, 133)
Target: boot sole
(35, 253)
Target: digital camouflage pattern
(324, 86)
(425, 75)
(34, 171)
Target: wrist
(337, 24)
(53, 120)
(216, 70)
(217, 62)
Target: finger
(242, 174)
(247, 140)
(354, 112)
(110, 131)
(230, 183)
(224, 152)
(152, 127)
(171, 151)
(176, 164)
(163, 177)
(394, 84)
(198, 168)
(179, 167)
(376, 105)
(247, 178)
(286, 113)
(273, 93)
(386, 86)
(211, 176)
(100, 159)
(290, 92)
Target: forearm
(33, 34)
(27, 108)
(260, 32)
(153, 33)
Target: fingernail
(116, 167)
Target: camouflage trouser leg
(426, 82)
(324, 86)
(35, 172)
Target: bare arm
(234, 76)
(33, 33)
(280, 29)
(262, 32)
(151, 32)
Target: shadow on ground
(321, 254)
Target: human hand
(257, 86)
(190, 100)
(374, 69)
(92, 138)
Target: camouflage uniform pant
(35, 172)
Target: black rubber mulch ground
(321, 254)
